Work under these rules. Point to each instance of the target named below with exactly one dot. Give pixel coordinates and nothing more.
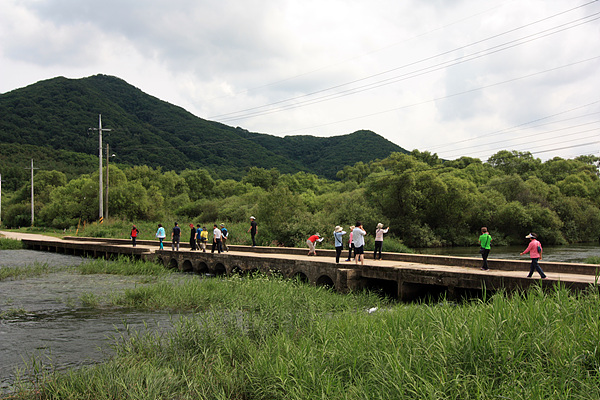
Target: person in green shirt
(485, 241)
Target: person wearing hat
(253, 230)
(224, 235)
(311, 242)
(379, 239)
(339, 245)
(535, 253)
(192, 237)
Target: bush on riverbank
(265, 338)
(10, 244)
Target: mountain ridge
(57, 113)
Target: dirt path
(20, 235)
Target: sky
(453, 77)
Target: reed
(266, 338)
(121, 266)
(10, 244)
(27, 271)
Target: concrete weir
(402, 276)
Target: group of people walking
(534, 249)
(356, 242)
(198, 237)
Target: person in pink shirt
(535, 253)
(350, 245)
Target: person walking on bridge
(192, 237)
(216, 240)
(253, 230)
(350, 244)
(161, 235)
(535, 253)
(485, 241)
(224, 236)
(175, 236)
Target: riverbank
(262, 337)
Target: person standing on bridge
(358, 239)
(253, 230)
(224, 236)
(192, 237)
(134, 234)
(339, 244)
(175, 236)
(379, 239)
(216, 240)
(161, 235)
(485, 241)
(350, 244)
(311, 242)
(535, 253)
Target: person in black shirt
(175, 235)
(192, 237)
(253, 230)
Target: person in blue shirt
(224, 236)
(339, 244)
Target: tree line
(425, 200)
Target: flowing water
(44, 323)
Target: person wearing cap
(535, 253)
(311, 241)
(224, 235)
(485, 241)
(192, 237)
(358, 239)
(338, 232)
(379, 239)
(175, 235)
(253, 230)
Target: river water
(44, 320)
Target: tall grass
(121, 266)
(10, 244)
(27, 271)
(264, 338)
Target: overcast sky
(454, 77)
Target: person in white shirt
(358, 240)
(216, 239)
(379, 239)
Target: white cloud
(217, 58)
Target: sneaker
(484, 269)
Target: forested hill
(55, 115)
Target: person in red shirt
(134, 233)
(535, 253)
(311, 241)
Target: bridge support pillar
(347, 280)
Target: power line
(415, 73)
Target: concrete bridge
(402, 276)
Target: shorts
(359, 250)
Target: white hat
(338, 229)
(252, 218)
(531, 236)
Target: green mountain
(52, 118)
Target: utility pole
(100, 197)
(107, 185)
(0, 199)
(32, 204)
